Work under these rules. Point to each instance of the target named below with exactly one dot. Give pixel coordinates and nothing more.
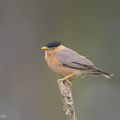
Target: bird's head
(51, 45)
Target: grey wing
(72, 59)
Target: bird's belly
(65, 71)
(60, 69)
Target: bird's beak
(44, 48)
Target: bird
(69, 64)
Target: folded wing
(72, 59)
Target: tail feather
(103, 73)
(106, 74)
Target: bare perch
(67, 100)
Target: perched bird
(68, 63)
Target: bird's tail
(106, 74)
(103, 73)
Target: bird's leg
(66, 78)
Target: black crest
(53, 44)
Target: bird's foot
(66, 78)
(59, 80)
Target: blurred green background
(28, 88)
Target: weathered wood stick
(67, 100)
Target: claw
(59, 80)
(66, 78)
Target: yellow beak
(43, 48)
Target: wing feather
(70, 58)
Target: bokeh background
(28, 89)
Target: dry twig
(67, 100)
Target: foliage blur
(28, 88)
